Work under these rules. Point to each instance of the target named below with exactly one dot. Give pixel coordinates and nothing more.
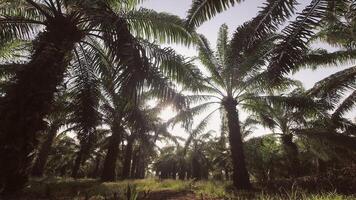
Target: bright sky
(233, 18)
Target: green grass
(79, 189)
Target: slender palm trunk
(134, 164)
(128, 157)
(321, 166)
(292, 153)
(41, 160)
(83, 153)
(240, 175)
(77, 163)
(28, 100)
(95, 172)
(109, 168)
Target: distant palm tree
(334, 127)
(283, 119)
(167, 70)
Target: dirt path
(171, 195)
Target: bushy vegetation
(146, 189)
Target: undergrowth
(85, 189)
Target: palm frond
(207, 57)
(173, 65)
(198, 129)
(203, 10)
(13, 50)
(322, 58)
(290, 50)
(333, 87)
(85, 93)
(186, 116)
(346, 105)
(269, 18)
(337, 139)
(161, 27)
(222, 44)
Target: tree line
(89, 68)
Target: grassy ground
(85, 189)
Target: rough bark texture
(28, 100)
(291, 153)
(240, 175)
(41, 160)
(128, 157)
(109, 168)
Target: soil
(175, 195)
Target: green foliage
(203, 10)
(264, 156)
(61, 188)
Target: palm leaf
(203, 10)
(337, 139)
(273, 14)
(162, 27)
(295, 36)
(347, 105)
(333, 87)
(322, 58)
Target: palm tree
(334, 127)
(61, 155)
(56, 119)
(167, 70)
(282, 120)
(146, 128)
(231, 83)
(78, 22)
(85, 93)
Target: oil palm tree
(56, 119)
(334, 127)
(85, 96)
(63, 25)
(232, 83)
(62, 155)
(283, 119)
(167, 70)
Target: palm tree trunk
(321, 166)
(77, 163)
(95, 172)
(196, 168)
(240, 175)
(134, 164)
(109, 169)
(292, 153)
(128, 158)
(45, 148)
(84, 152)
(26, 103)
